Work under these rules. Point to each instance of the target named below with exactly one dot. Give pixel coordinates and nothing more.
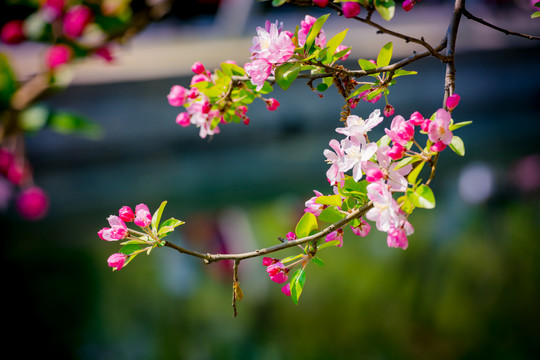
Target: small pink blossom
(198, 68)
(76, 20)
(57, 55)
(199, 78)
(312, 206)
(272, 104)
(395, 178)
(305, 28)
(272, 45)
(286, 289)
(125, 213)
(438, 146)
(364, 94)
(258, 70)
(416, 118)
(452, 101)
(362, 229)
(177, 96)
(385, 210)
(358, 127)
(267, 261)
(408, 5)
(277, 272)
(341, 48)
(396, 152)
(193, 93)
(350, 9)
(374, 174)
(291, 236)
(388, 110)
(335, 235)
(183, 119)
(401, 131)
(117, 261)
(143, 217)
(439, 128)
(425, 125)
(334, 174)
(12, 32)
(117, 231)
(105, 53)
(32, 203)
(320, 3)
(397, 236)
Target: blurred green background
(468, 286)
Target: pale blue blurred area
(467, 287)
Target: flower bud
(438, 146)
(272, 104)
(416, 118)
(408, 5)
(350, 9)
(12, 32)
(143, 217)
(396, 152)
(374, 174)
(286, 289)
(177, 96)
(117, 261)
(32, 203)
(267, 261)
(291, 236)
(320, 3)
(183, 119)
(76, 19)
(57, 55)
(452, 101)
(388, 110)
(125, 213)
(198, 68)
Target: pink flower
(126, 214)
(53, 9)
(272, 45)
(362, 229)
(395, 178)
(143, 217)
(57, 55)
(385, 210)
(104, 52)
(374, 174)
(397, 236)
(117, 261)
(193, 93)
(320, 3)
(358, 127)
(350, 9)
(267, 261)
(177, 96)
(312, 206)
(117, 231)
(334, 174)
(356, 150)
(277, 272)
(291, 236)
(438, 146)
(258, 70)
(388, 110)
(336, 235)
(12, 32)
(305, 28)
(272, 104)
(452, 101)
(198, 68)
(396, 152)
(199, 78)
(32, 203)
(416, 118)
(401, 131)
(364, 94)
(341, 48)
(183, 119)
(76, 19)
(438, 128)
(408, 5)
(286, 289)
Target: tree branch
(470, 16)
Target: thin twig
(470, 16)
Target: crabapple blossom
(395, 178)
(356, 151)
(183, 119)
(277, 272)
(385, 210)
(76, 20)
(438, 128)
(177, 96)
(401, 131)
(267, 261)
(397, 236)
(305, 28)
(286, 289)
(396, 152)
(358, 127)
(125, 213)
(291, 236)
(272, 45)
(364, 94)
(312, 206)
(117, 231)
(143, 217)
(335, 235)
(361, 229)
(320, 3)
(341, 48)
(334, 174)
(258, 70)
(198, 68)
(388, 110)
(350, 9)
(408, 5)
(452, 101)
(272, 104)
(117, 261)
(57, 55)
(32, 203)
(12, 32)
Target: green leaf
(232, 69)
(457, 145)
(385, 8)
(422, 197)
(8, 82)
(317, 261)
(315, 29)
(535, 15)
(129, 249)
(322, 87)
(69, 123)
(374, 93)
(297, 284)
(459, 125)
(277, 3)
(359, 90)
(168, 226)
(286, 74)
(385, 55)
(405, 203)
(306, 225)
(329, 200)
(333, 44)
(328, 244)
(406, 161)
(156, 218)
(366, 64)
(291, 258)
(413, 175)
(331, 215)
(402, 72)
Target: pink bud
(198, 68)
(104, 52)
(396, 152)
(425, 125)
(320, 3)
(12, 32)
(291, 236)
(76, 19)
(143, 217)
(341, 48)
(361, 230)
(388, 110)
(374, 174)
(286, 289)
(16, 172)
(32, 203)
(177, 96)
(183, 119)
(416, 118)
(350, 9)
(6, 158)
(438, 146)
(407, 5)
(272, 104)
(57, 55)
(198, 78)
(452, 101)
(125, 213)
(117, 261)
(267, 261)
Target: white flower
(358, 127)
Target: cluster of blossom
(73, 21)
(118, 230)
(32, 202)
(278, 271)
